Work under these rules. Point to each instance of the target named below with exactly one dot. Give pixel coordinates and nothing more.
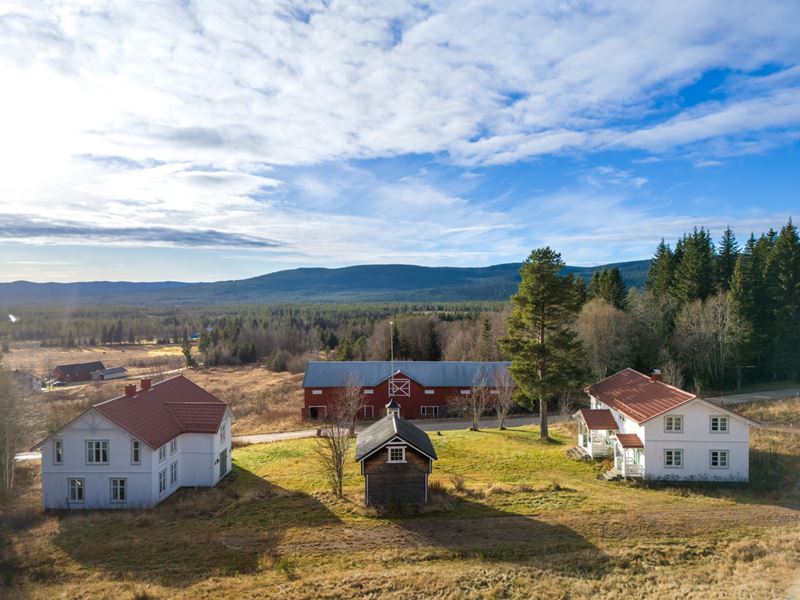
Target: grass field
(510, 517)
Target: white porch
(628, 456)
(596, 429)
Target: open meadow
(510, 517)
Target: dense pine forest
(712, 315)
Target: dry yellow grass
(783, 412)
(528, 523)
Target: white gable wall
(697, 441)
(197, 456)
(97, 488)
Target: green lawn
(526, 522)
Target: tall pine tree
(662, 271)
(544, 350)
(784, 280)
(726, 259)
(694, 274)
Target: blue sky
(205, 140)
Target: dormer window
(397, 454)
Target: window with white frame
(162, 453)
(119, 490)
(368, 392)
(719, 459)
(173, 446)
(76, 487)
(223, 432)
(136, 452)
(58, 452)
(673, 459)
(162, 481)
(316, 392)
(466, 392)
(430, 392)
(673, 424)
(173, 473)
(97, 452)
(719, 424)
(397, 454)
(429, 411)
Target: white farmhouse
(656, 431)
(137, 449)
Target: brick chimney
(130, 389)
(655, 375)
(145, 383)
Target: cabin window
(673, 459)
(719, 459)
(173, 446)
(397, 454)
(136, 452)
(673, 424)
(173, 473)
(223, 432)
(465, 392)
(162, 481)
(58, 452)
(119, 490)
(316, 392)
(162, 453)
(430, 392)
(430, 412)
(97, 452)
(76, 490)
(367, 392)
(719, 425)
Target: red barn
(423, 388)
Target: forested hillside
(362, 283)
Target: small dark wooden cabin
(396, 458)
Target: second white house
(657, 431)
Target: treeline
(283, 336)
(713, 316)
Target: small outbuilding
(396, 459)
(112, 373)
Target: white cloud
(179, 115)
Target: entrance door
(223, 463)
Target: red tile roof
(629, 440)
(637, 396)
(598, 418)
(168, 409)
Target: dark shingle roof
(389, 427)
(427, 373)
(78, 368)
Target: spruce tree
(661, 273)
(544, 350)
(784, 268)
(726, 259)
(694, 274)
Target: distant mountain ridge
(360, 283)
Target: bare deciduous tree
(505, 395)
(11, 429)
(708, 335)
(672, 373)
(606, 333)
(475, 403)
(336, 435)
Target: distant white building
(137, 449)
(656, 431)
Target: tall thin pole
(391, 360)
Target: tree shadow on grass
(472, 529)
(195, 534)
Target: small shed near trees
(396, 459)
